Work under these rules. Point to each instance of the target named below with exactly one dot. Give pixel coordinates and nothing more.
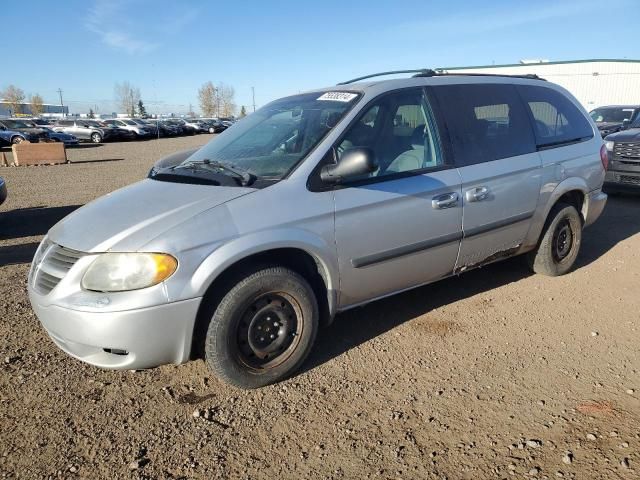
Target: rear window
(557, 121)
(485, 122)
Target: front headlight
(119, 272)
(609, 145)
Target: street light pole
(61, 104)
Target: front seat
(415, 158)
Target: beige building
(594, 83)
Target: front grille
(55, 264)
(627, 151)
(629, 179)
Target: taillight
(604, 157)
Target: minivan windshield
(271, 141)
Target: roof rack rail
(424, 71)
(439, 72)
(427, 72)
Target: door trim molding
(387, 255)
(505, 222)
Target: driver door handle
(446, 200)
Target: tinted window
(485, 122)
(400, 130)
(556, 119)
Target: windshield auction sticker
(338, 96)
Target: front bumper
(627, 179)
(596, 202)
(150, 336)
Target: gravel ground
(494, 374)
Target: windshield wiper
(244, 176)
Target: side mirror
(626, 123)
(354, 162)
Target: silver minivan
(315, 204)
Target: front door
(400, 226)
(500, 169)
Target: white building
(594, 83)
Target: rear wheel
(560, 243)
(17, 139)
(96, 137)
(263, 328)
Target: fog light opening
(115, 351)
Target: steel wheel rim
(563, 239)
(269, 330)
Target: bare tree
(207, 99)
(127, 97)
(243, 111)
(14, 97)
(226, 100)
(37, 106)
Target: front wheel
(96, 137)
(263, 328)
(16, 140)
(560, 242)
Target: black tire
(96, 137)
(560, 243)
(263, 328)
(17, 139)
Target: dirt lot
(494, 374)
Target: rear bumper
(150, 336)
(596, 202)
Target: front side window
(485, 122)
(556, 119)
(400, 131)
(271, 141)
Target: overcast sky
(169, 48)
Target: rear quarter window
(485, 122)
(556, 120)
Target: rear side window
(485, 122)
(556, 120)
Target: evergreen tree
(141, 110)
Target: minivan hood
(128, 218)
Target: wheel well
(575, 198)
(297, 260)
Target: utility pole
(190, 110)
(253, 94)
(61, 104)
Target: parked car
(116, 133)
(214, 126)
(40, 122)
(168, 129)
(315, 204)
(198, 125)
(25, 130)
(65, 138)
(614, 118)
(151, 127)
(84, 129)
(138, 131)
(3, 191)
(9, 137)
(186, 128)
(623, 173)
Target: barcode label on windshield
(338, 96)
